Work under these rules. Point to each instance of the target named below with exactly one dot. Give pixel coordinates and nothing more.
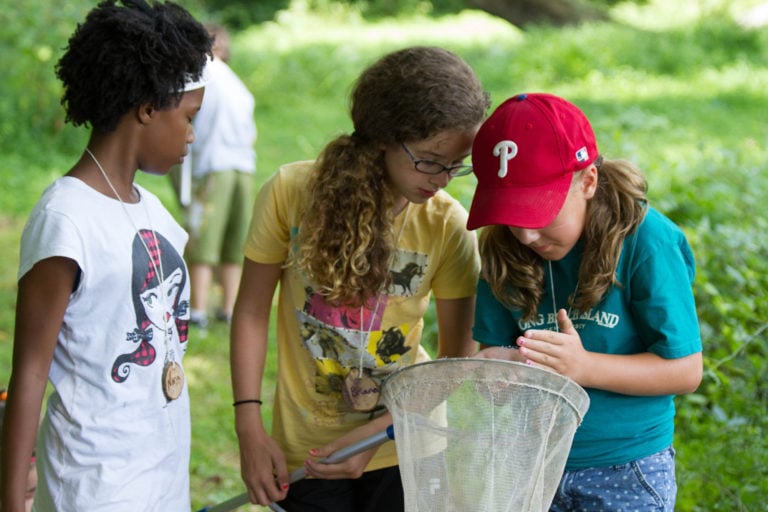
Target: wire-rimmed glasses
(434, 168)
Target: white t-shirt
(110, 440)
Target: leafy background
(678, 88)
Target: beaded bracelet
(251, 401)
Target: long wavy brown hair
(515, 273)
(346, 238)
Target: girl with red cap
(581, 276)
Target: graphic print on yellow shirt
(351, 339)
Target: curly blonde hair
(345, 240)
(515, 273)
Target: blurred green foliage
(243, 13)
(681, 93)
(30, 43)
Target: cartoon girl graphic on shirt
(160, 312)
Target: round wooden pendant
(360, 391)
(173, 380)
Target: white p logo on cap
(506, 150)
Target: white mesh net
(482, 435)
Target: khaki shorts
(219, 216)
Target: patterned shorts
(644, 485)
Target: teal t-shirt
(652, 311)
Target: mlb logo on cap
(524, 157)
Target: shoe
(223, 316)
(198, 319)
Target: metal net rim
(566, 389)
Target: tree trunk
(543, 12)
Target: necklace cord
(365, 334)
(552, 292)
(158, 271)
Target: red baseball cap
(524, 157)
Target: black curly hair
(124, 56)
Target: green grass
(682, 94)
(215, 458)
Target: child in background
(581, 276)
(222, 162)
(103, 294)
(358, 241)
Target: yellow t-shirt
(318, 344)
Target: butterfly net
(481, 434)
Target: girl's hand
(562, 352)
(263, 468)
(352, 467)
(641, 374)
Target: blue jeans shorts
(644, 485)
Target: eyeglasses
(433, 168)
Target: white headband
(205, 77)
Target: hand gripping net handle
(481, 434)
